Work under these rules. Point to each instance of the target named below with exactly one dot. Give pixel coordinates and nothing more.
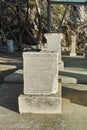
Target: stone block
(68, 80)
(54, 42)
(40, 73)
(72, 54)
(39, 104)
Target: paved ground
(74, 108)
(75, 67)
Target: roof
(68, 1)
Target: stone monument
(41, 93)
(54, 44)
(73, 46)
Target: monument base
(72, 54)
(40, 103)
(61, 65)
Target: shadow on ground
(14, 55)
(9, 95)
(75, 62)
(12, 59)
(81, 78)
(76, 96)
(4, 73)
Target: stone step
(73, 76)
(68, 79)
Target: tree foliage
(25, 21)
(21, 20)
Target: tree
(22, 20)
(25, 21)
(76, 23)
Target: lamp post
(49, 16)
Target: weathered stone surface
(61, 65)
(40, 73)
(68, 80)
(72, 54)
(39, 104)
(54, 42)
(73, 46)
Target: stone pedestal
(43, 104)
(73, 46)
(40, 83)
(54, 44)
